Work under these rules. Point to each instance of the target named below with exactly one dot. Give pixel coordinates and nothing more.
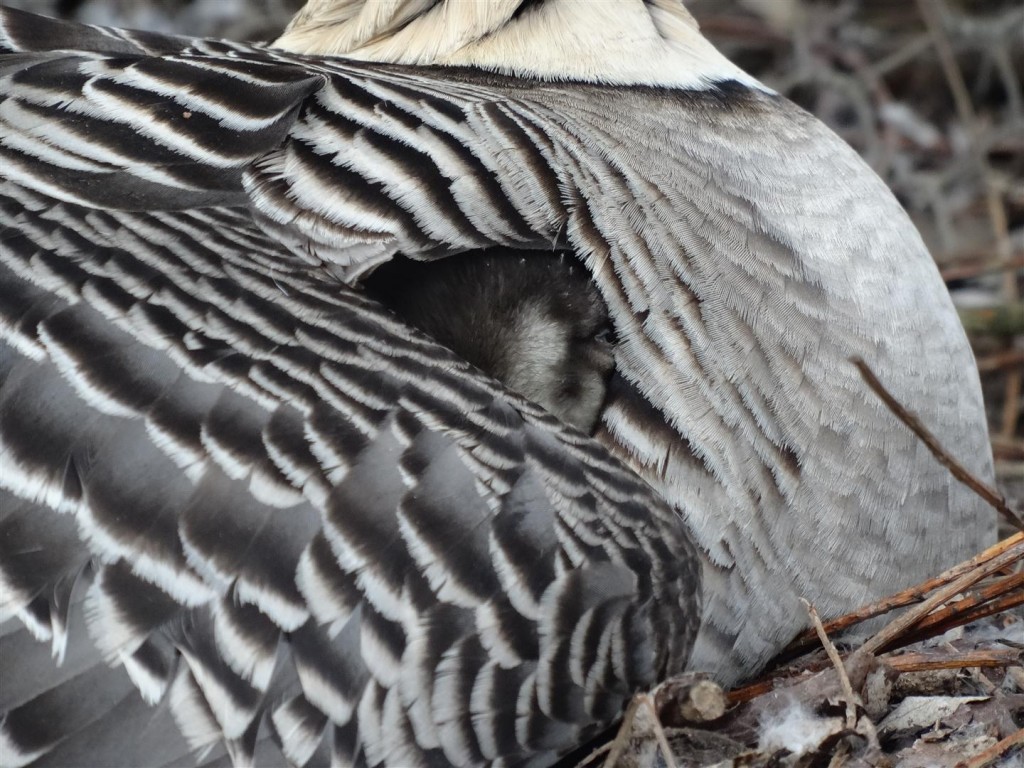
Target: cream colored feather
(624, 42)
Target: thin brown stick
(954, 612)
(907, 662)
(929, 628)
(899, 626)
(1004, 320)
(1005, 359)
(958, 470)
(618, 746)
(906, 597)
(833, 656)
(622, 736)
(751, 691)
(1007, 450)
(589, 759)
(947, 58)
(751, 32)
(964, 271)
(965, 109)
(999, 749)
(1010, 586)
(659, 732)
(841, 754)
(905, 53)
(924, 662)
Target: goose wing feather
(358, 500)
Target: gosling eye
(605, 335)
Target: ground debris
(916, 713)
(928, 719)
(954, 699)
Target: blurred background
(928, 91)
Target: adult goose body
(238, 488)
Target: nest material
(953, 699)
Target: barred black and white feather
(237, 488)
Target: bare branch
(959, 471)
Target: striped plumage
(308, 532)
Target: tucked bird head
(533, 321)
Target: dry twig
(994, 599)
(919, 622)
(905, 597)
(998, 361)
(958, 470)
(995, 752)
(833, 656)
(901, 624)
(964, 271)
(622, 736)
(926, 661)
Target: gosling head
(533, 321)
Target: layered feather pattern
(260, 509)
(306, 533)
